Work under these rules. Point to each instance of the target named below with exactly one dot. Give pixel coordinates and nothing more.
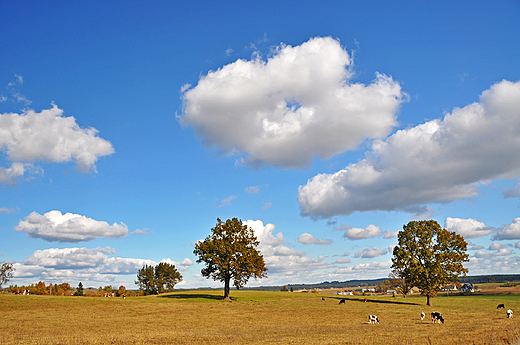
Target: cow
(501, 306)
(373, 319)
(437, 317)
(509, 314)
(342, 301)
(323, 298)
(423, 315)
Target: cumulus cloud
(48, 136)
(91, 266)
(265, 233)
(284, 111)
(495, 246)
(370, 253)
(306, 238)
(369, 269)
(468, 228)
(68, 227)
(435, 162)
(281, 260)
(510, 231)
(390, 234)
(359, 233)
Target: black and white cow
(373, 319)
(437, 317)
(501, 306)
(423, 315)
(509, 314)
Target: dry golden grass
(254, 318)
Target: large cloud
(510, 231)
(90, 266)
(295, 106)
(48, 136)
(68, 227)
(435, 162)
(468, 228)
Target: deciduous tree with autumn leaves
(230, 253)
(429, 257)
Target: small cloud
(370, 253)
(495, 246)
(5, 210)
(475, 247)
(358, 233)
(309, 239)
(468, 228)
(267, 206)
(229, 51)
(343, 261)
(227, 201)
(144, 231)
(252, 190)
(285, 251)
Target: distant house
(449, 288)
(466, 288)
(390, 292)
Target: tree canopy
(153, 280)
(229, 252)
(6, 273)
(429, 257)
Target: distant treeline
(497, 278)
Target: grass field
(202, 317)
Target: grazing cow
(501, 306)
(323, 298)
(509, 314)
(342, 301)
(423, 315)
(373, 319)
(437, 317)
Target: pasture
(202, 317)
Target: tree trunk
(226, 286)
(428, 300)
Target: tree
(229, 252)
(161, 278)
(429, 257)
(384, 286)
(401, 282)
(79, 290)
(6, 273)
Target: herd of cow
(436, 317)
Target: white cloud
(495, 246)
(343, 261)
(68, 227)
(297, 105)
(90, 266)
(436, 162)
(468, 228)
(510, 231)
(281, 260)
(252, 190)
(265, 233)
(370, 253)
(390, 234)
(369, 269)
(306, 238)
(6, 210)
(285, 251)
(359, 234)
(49, 136)
(227, 201)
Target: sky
(128, 127)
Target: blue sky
(127, 128)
